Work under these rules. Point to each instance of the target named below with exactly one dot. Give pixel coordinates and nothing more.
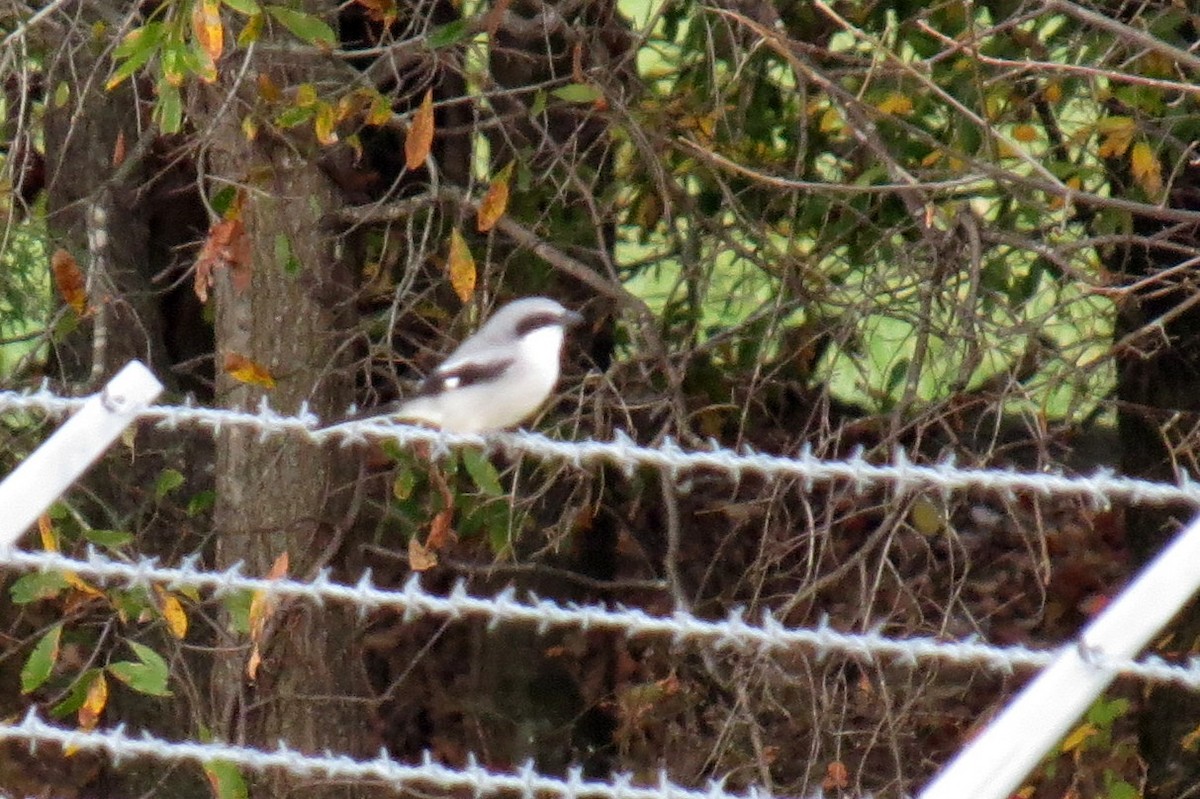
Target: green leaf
(237, 605)
(226, 779)
(578, 93)
(168, 481)
(305, 27)
(168, 112)
(112, 539)
(140, 41)
(76, 696)
(1103, 713)
(223, 200)
(37, 585)
(202, 502)
(284, 254)
(41, 660)
(405, 482)
(482, 472)
(243, 6)
(539, 104)
(294, 115)
(149, 676)
(448, 34)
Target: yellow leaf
(173, 613)
(82, 586)
(419, 139)
(324, 124)
(495, 201)
(306, 95)
(933, 158)
(1117, 135)
(420, 557)
(1147, 170)
(1052, 92)
(249, 127)
(244, 370)
(93, 703)
(831, 121)
(69, 280)
(1025, 133)
(206, 27)
(895, 104)
(926, 517)
(461, 265)
(380, 112)
(47, 534)
(1078, 736)
(261, 605)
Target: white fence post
(61, 459)
(994, 763)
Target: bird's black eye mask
(537, 321)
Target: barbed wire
(479, 781)
(734, 633)
(903, 475)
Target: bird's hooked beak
(572, 319)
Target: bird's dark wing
(456, 374)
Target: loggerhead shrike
(498, 377)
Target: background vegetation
(960, 229)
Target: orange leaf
(244, 370)
(1147, 170)
(420, 134)
(206, 27)
(837, 776)
(420, 558)
(495, 201)
(268, 89)
(228, 246)
(461, 265)
(441, 534)
(69, 280)
(1025, 133)
(173, 613)
(93, 703)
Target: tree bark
(281, 496)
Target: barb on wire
(1100, 489)
(732, 633)
(474, 779)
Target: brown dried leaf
(441, 534)
(420, 558)
(419, 140)
(228, 246)
(69, 281)
(118, 156)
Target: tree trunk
(281, 496)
